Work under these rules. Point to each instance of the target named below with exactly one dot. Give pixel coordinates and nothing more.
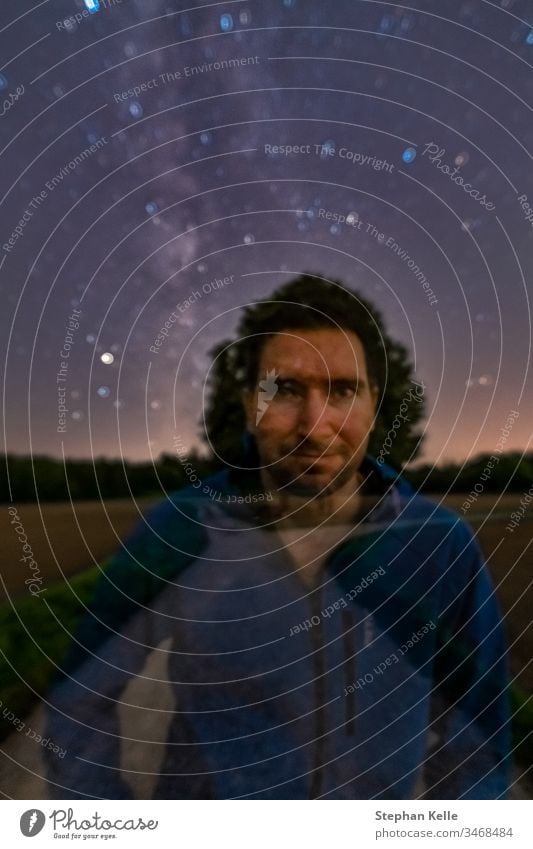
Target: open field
(65, 538)
(70, 538)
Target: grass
(32, 643)
(522, 708)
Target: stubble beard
(292, 482)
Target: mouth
(316, 459)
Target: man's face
(312, 409)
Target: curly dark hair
(307, 303)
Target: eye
(343, 392)
(286, 389)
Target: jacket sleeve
(116, 636)
(470, 736)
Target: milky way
(186, 158)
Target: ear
(250, 408)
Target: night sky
(414, 123)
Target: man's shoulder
(429, 507)
(434, 528)
(412, 506)
(424, 523)
(422, 535)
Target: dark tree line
(512, 473)
(46, 479)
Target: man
(301, 625)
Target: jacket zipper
(349, 672)
(317, 638)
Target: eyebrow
(336, 383)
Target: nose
(315, 417)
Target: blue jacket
(207, 669)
